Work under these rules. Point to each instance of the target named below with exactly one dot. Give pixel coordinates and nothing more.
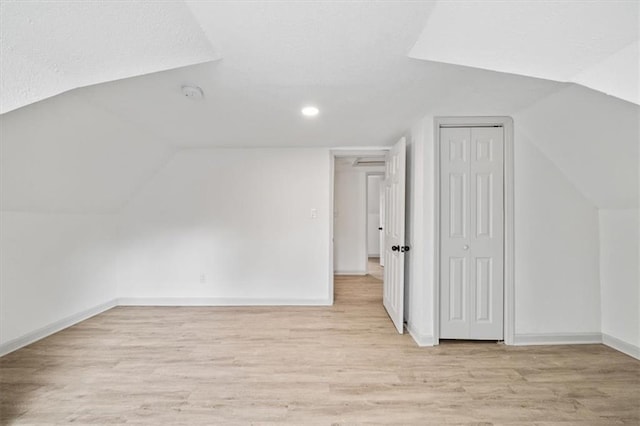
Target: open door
(394, 248)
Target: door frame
(509, 247)
(333, 154)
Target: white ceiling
(91, 149)
(593, 139)
(594, 43)
(65, 155)
(241, 113)
(48, 47)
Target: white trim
(350, 272)
(364, 262)
(509, 219)
(557, 339)
(509, 233)
(621, 346)
(421, 340)
(48, 330)
(332, 176)
(218, 301)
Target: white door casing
(381, 224)
(394, 199)
(472, 233)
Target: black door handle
(404, 248)
(380, 228)
(395, 248)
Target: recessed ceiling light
(310, 111)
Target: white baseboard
(420, 339)
(621, 346)
(218, 301)
(350, 273)
(50, 329)
(557, 339)
(577, 338)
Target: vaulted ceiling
(593, 43)
(373, 68)
(50, 47)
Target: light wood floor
(316, 365)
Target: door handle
(465, 247)
(404, 249)
(395, 248)
(380, 228)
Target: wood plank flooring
(303, 365)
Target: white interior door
(394, 248)
(471, 233)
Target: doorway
(356, 213)
(474, 229)
(349, 224)
(354, 256)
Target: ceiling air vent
(369, 162)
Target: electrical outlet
(314, 213)
(203, 278)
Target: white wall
(229, 226)
(66, 155)
(556, 244)
(620, 276)
(53, 266)
(556, 249)
(350, 212)
(373, 215)
(592, 139)
(57, 191)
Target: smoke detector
(192, 92)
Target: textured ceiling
(91, 149)
(347, 58)
(48, 47)
(594, 43)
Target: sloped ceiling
(90, 149)
(63, 155)
(49, 47)
(593, 139)
(594, 43)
